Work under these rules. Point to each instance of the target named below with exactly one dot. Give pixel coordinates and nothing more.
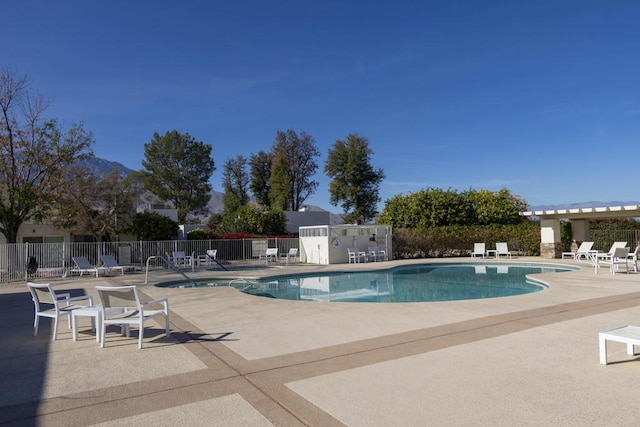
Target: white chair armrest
(83, 297)
(63, 295)
(164, 301)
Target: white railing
(50, 260)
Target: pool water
(415, 283)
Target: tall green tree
(280, 183)
(260, 171)
(177, 168)
(34, 153)
(354, 181)
(294, 164)
(235, 181)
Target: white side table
(93, 311)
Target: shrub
(448, 241)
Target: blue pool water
(414, 283)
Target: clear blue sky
(540, 97)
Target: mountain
(101, 167)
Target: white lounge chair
(82, 266)
(584, 250)
(479, 250)
(109, 263)
(293, 253)
(121, 305)
(502, 249)
(53, 305)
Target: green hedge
(522, 239)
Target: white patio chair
(633, 258)
(599, 257)
(212, 255)
(375, 253)
(54, 305)
(180, 259)
(502, 249)
(271, 254)
(619, 257)
(478, 250)
(293, 253)
(121, 305)
(356, 255)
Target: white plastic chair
(121, 305)
(271, 255)
(180, 259)
(633, 258)
(356, 255)
(478, 250)
(502, 249)
(293, 253)
(53, 305)
(375, 253)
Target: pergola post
(579, 232)
(550, 243)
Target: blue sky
(539, 97)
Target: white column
(550, 244)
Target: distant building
(297, 219)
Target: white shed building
(327, 244)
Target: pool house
(328, 244)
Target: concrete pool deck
(239, 360)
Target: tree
(501, 207)
(177, 168)
(434, 207)
(355, 183)
(95, 206)
(34, 152)
(293, 167)
(251, 219)
(280, 184)
(235, 182)
(260, 171)
(152, 226)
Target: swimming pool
(409, 283)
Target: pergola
(550, 245)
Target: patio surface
(239, 360)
